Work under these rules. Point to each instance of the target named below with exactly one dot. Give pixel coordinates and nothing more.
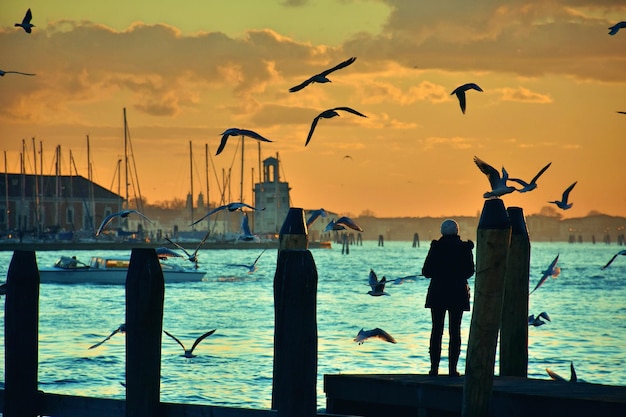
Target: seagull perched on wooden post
(322, 76)
(26, 25)
(498, 184)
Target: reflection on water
(234, 365)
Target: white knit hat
(449, 227)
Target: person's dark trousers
(454, 347)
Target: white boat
(110, 271)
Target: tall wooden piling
(492, 244)
(514, 326)
(21, 326)
(294, 390)
(145, 292)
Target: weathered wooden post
(492, 245)
(21, 327)
(294, 390)
(145, 292)
(381, 240)
(514, 327)
(416, 240)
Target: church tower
(274, 196)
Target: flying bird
(536, 321)
(498, 184)
(377, 333)
(252, 267)
(123, 214)
(189, 352)
(552, 271)
(557, 377)
(616, 27)
(402, 280)
(247, 234)
(315, 214)
(529, 186)
(460, 93)
(165, 253)
(378, 287)
(563, 204)
(238, 132)
(341, 224)
(230, 207)
(14, 72)
(192, 257)
(26, 25)
(622, 112)
(327, 114)
(622, 252)
(322, 76)
(121, 329)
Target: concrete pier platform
(401, 395)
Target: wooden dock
(401, 395)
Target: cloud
(456, 142)
(523, 95)
(381, 92)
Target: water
(234, 365)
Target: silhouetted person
(449, 264)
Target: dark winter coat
(449, 264)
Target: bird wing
(544, 315)
(313, 124)
(540, 172)
(380, 334)
(573, 376)
(346, 221)
(252, 134)
(567, 191)
(350, 110)
(554, 375)
(338, 66)
(460, 94)
(546, 274)
(27, 17)
(119, 329)
(245, 225)
(491, 172)
(519, 181)
(177, 341)
(179, 247)
(215, 210)
(105, 222)
(201, 338)
(257, 258)
(472, 86)
(372, 279)
(301, 85)
(611, 261)
(222, 143)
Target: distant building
(272, 194)
(49, 202)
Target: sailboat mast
(6, 192)
(241, 182)
(125, 159)
(206, 164)
(41, 190)
(191, 181)
(36, 191)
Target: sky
(553, 81)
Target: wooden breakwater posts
(295, 333)
(492, 245)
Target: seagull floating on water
(327, 114)
(123, 214)
(251, 268)
(230, 207)
(121, 329)
(498, 184)
(536, 321)
(529, 186)
(616, 27)
(26, 25)
(322, 76)
(341, 224)
(563, 204)
(622, 252)
(238, 132)
(14, 72)
(378, 287)
(460, 93)
(557, 377)
(315, 214)
(552, 271)
(189, 352)
(377, 333)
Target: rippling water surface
(234, 366)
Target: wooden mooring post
(514, 326)
(492, 246)
(21, 331)
(294, 391)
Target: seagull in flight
(238, 132)
(529, 186)
(192, 257)
(460, 93)
(123, 214)
(536, 321)
(251, 268)
(498, 184)
(245, 229)
(563, 204)
(622, 252)
(341, 224)
(315, 214)
(377, 333)
(230, 207)
(189, 352)
(322, 76)
(14, 72)
(378, 287)
(327, 114)
(26, 25)
(121, 329)
(616, 27)
(552, 271)
(557, 377)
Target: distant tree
(367, 213)
(549, 211)
(175, 204)
(595, 213)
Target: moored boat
(109, 271)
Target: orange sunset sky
(553, 80)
